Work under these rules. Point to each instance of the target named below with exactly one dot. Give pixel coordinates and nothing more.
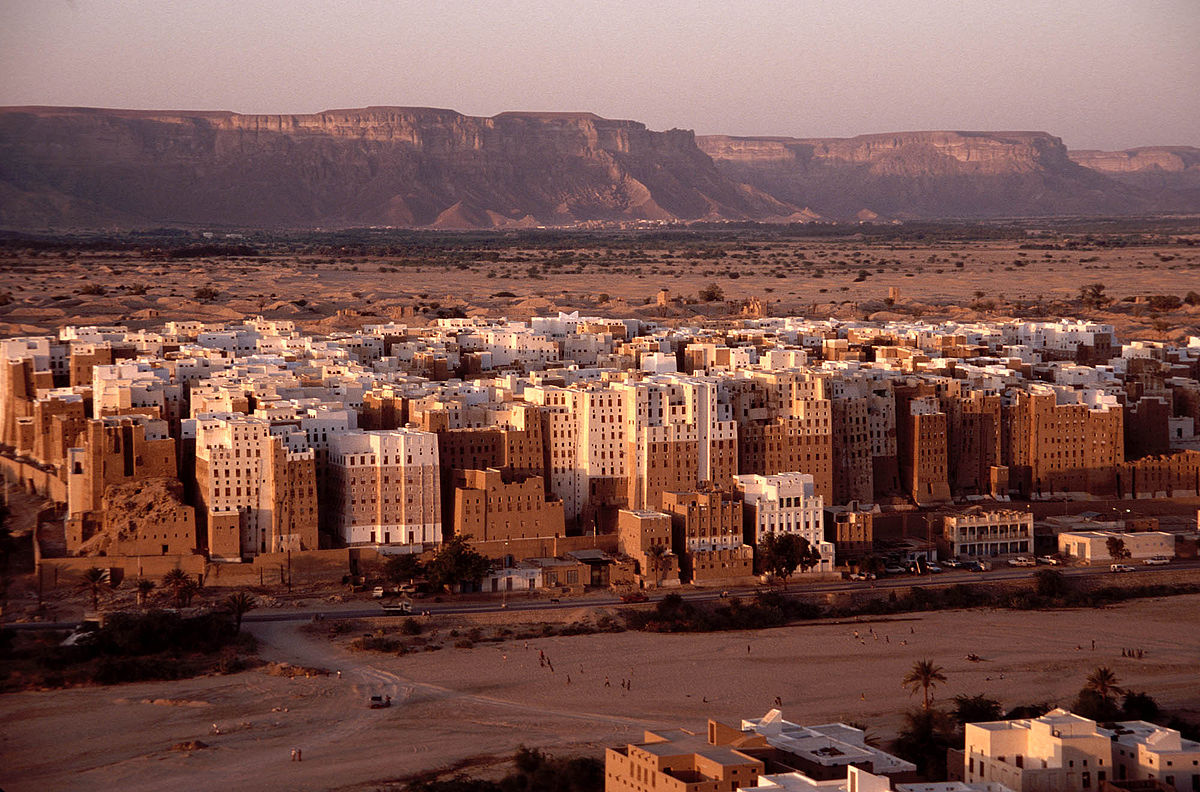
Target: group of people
(1137, 654)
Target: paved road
(948, 578)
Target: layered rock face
(376, 166)
(924, 175)
(1172, 173)
(418, 167)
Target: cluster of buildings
(1057, 752)
(661, 453)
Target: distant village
(579, 451)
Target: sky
(1107, 74)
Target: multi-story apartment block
(707, 535)
(498, 505)
(256, 490)
(1063, 441)
(785, 503)
(384, 487)
(978, 533)
(645, 536)
(677, 437)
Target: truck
(399, 608)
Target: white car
(1121, 568)
(1157, 561)
(1022, 561)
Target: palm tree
(177, 581)
(1104, 681)
(93, 582)
(143, 588)
(655, 560)
(239, 605)
(923, 675)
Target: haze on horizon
(1103, 74)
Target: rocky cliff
(1170, 173)
(375, 166)
(924, 174)
(422, 167)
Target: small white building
(1144, 751)
(1058, 752)
(1091, 547)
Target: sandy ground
(459, 703)
(810, 278)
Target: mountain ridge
(63, 167)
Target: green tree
(1103, 681)
(923, 676)
(656, 560)
(180, 585)
(1140, 706)
(403, 568)
(1051, 583)
(976, 709)
(924, 739)
(143, 588)
(457, 562)
(93, 582)
(239, 605)
(1116, 548)
(782, 554)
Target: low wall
(33, 479)
(57, 572)
(272, 569)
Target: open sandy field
(847, 278)
(457, 704)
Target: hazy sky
(1098, 73)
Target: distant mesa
(68, 168)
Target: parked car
(932, 569)
(953, 563)
(377, 592)
(1022, 561)
(1157, 560)
(974, 566)
(862, 576)
(1121, 568)
(894, 569)
(1048, 559)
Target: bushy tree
(1051, 583)
(976, 709)
(1116, 548)
(403, 568)
(783, 553)
(926, 736)
(457, 562)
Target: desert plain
(336, 283)
(475, 705)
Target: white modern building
(786, 503)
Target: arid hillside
(928, 174)
(82, 168)
(70, 167)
